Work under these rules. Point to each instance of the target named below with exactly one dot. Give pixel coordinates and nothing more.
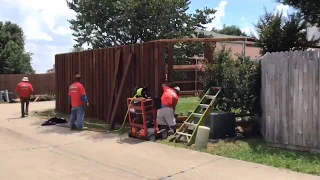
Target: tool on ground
(188, 130)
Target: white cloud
(247, 30)
(45, 25)
(247, 27)
(284, 9)
(46, 13)
(33, 31)
(220, 13)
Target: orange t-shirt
(24, 89)
(169, 97)
(76, 91)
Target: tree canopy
(310, 9)
(231, 30)
(13, 57)
(277, 33)
(105, 23)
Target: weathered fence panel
(42, 83)
(109, 76)
(290, 99)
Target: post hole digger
(142, 111)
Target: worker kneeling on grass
(79, 101)
(165, 115)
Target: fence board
(317, 94)
(42, 83)
(290, 99)
(291, 118)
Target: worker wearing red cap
(169, 101)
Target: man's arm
(84, 95)
(174, 105)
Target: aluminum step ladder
(188, 130)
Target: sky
(47, 30)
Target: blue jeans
(77, 116)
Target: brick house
(237, 47)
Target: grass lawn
(256, 150)
(186, 104)
(253, 150)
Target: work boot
(22, 116)
(72, 128)
(83, 129)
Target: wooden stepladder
(188, 130)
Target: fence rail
(290, 100)
(42, 83)
(190, 83)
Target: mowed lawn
(186, 104)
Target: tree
(237, 79)
(105, 23)
(231, 30)
(276, 33)
(13, 57)
(77, 49)
(310, 9)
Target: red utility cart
(142, 119)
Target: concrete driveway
(29, 151)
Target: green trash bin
(221, 124)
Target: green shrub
(237, 79)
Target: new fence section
(42, 83)
(187, 77)
(290, 99)
(109, 76)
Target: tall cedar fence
(290, 100)
(42, 83)
(109, 76)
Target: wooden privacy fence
(109, 76)
(290, 100)
(42, 83)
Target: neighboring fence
(109, 76)
(290, 100)
(42, 83)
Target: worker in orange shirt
(24, 90)
(169, 101)
(79, 101)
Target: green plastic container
(221, 124)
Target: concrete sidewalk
(29, 151)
